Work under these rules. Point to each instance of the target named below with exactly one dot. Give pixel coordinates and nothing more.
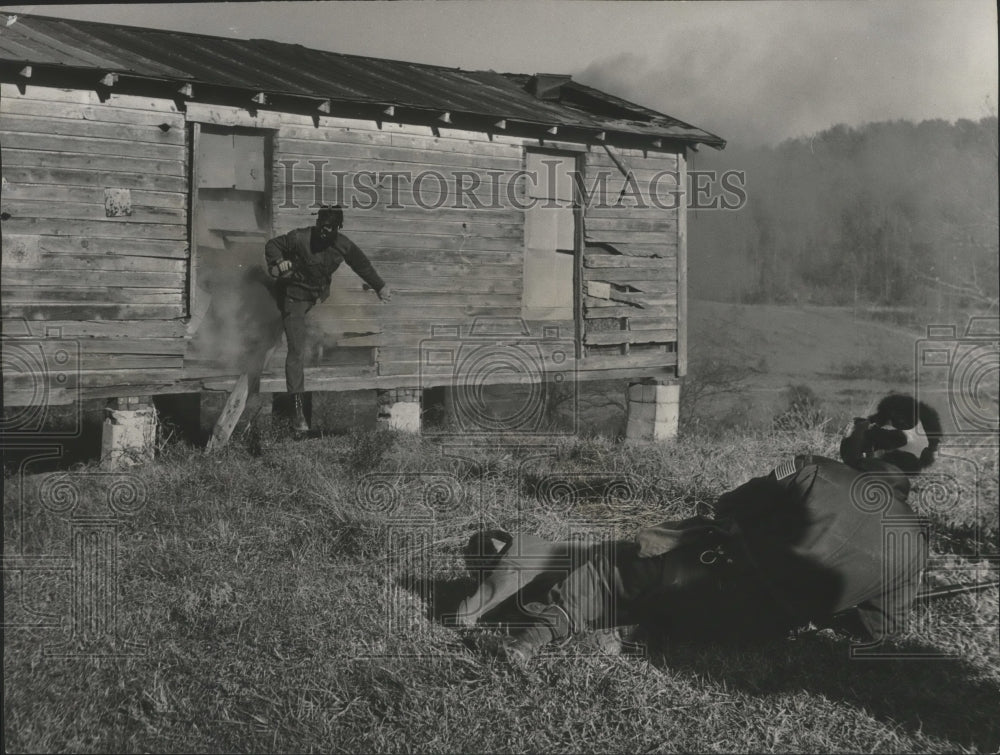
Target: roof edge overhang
(105, 81)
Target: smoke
(241, 321)
(759, 73)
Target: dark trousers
(293, 317)
(684, 592)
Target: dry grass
(287, 595)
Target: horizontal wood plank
(652, 323)
(402, 240)
(421, 268)
(613, 309)
(46, 277)
(106, 228)
(629, 249)
(85, 145)
(608, 337)
(80, 211)
(158, 332)
(625, 236)
(454, 257)
(62, 176)
(402, 214)
(628, 361)
(34, 294)
(124, 361)
(89, 263)
(394, 312)
(637, 277)
(396, 138)
(91, 195)
(426, 285)
(424, 224)
(133, 247)
(632, 263)
(27, 158)
(16, 126)
(599, 227)
(110, 311)
(375, 156)
(641, 303)
(64, 115)
(595, 212)
(478, 146)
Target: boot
(299, 423)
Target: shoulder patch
(785, 469)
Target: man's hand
(384, 293)
(280, 269)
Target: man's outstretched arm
(360, 264)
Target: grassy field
(288, 596)
(288, 600)
(847, 360)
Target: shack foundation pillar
(129, 433)
(653, 412)
(399, 409)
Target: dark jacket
(312, 270)
(818, 538)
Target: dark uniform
(314, 261)
(814, 541)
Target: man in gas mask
(805, 543)
(303, 262)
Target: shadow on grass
(938, 697)
(445, 595)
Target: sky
(751, 72)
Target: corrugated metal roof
(291, 69)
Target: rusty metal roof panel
(283, 68)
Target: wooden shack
(532, 228)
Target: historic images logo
(953, 484)
(501, 352)
(39, 373)
(71, 596)
(416, 508)
(966, 368)
(309, 184)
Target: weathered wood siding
(116, 286)
(630, 264)
(447, 265)
(119, 285)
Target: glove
(281, 269)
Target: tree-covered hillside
(891, 214)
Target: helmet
(902, 431)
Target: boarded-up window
(549, 237)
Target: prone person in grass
(805, 543)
